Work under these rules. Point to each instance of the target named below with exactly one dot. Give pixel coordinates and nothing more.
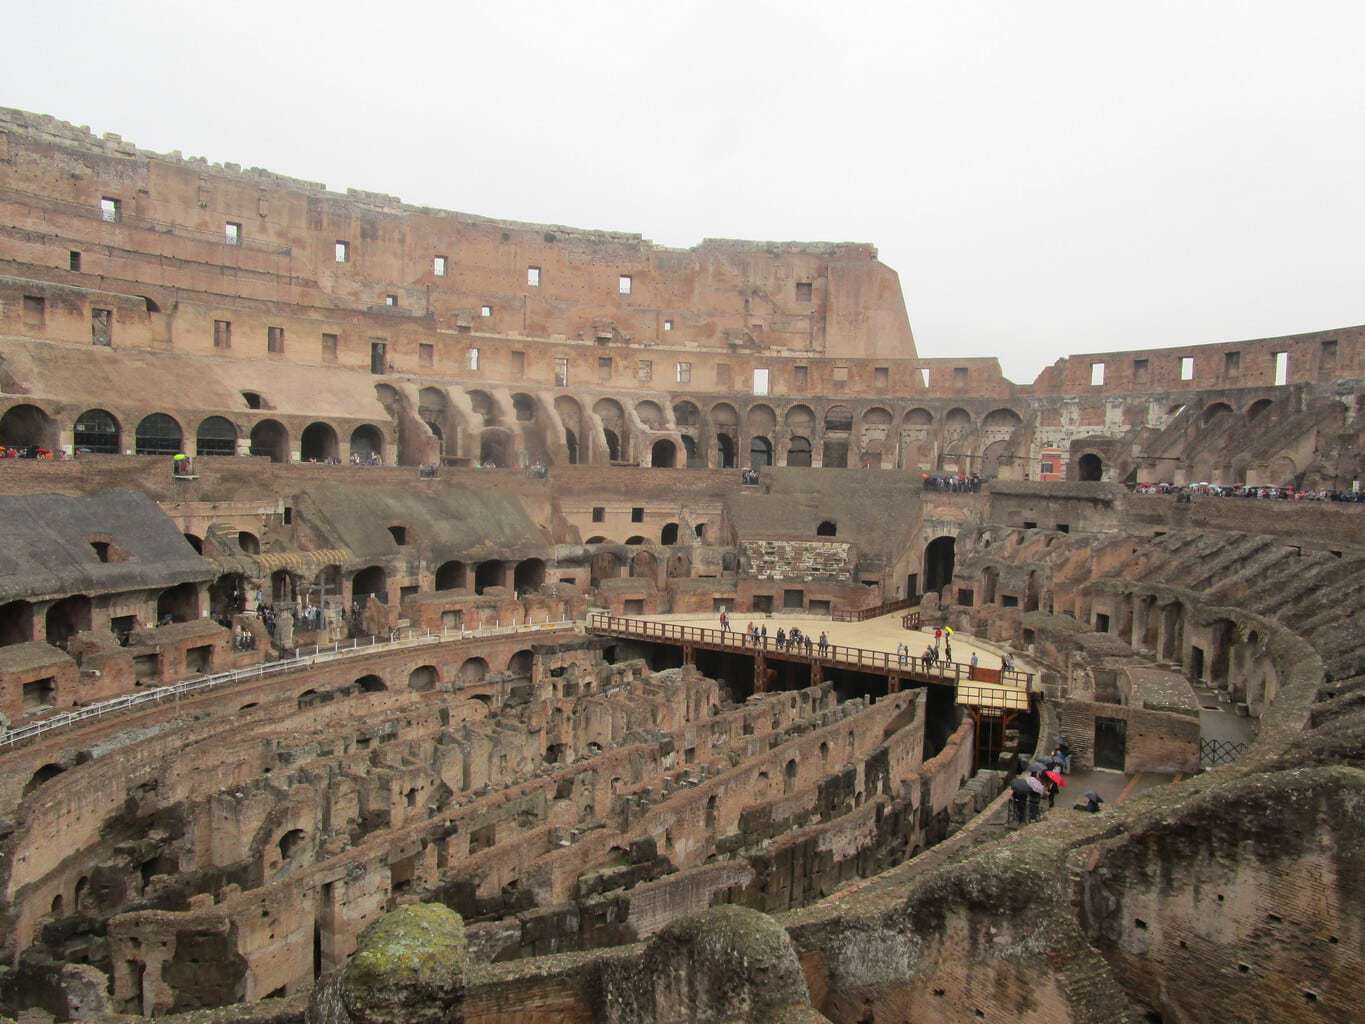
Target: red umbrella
(1055, 777)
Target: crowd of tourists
(952, 484)
(1042, 780)
(1243, 491)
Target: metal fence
(320, 655)
(1212, 752)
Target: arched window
(828, 528)
(97, 431)
(216, 436)
(158, 434)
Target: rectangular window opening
(668, 325)
(683, 373)
(222, 334)
(1141, 368)
(74, 260)
(102, 327)
(800, 377)
(343, 252)
(485, 311)
(1187, 367)
(604, 369)
(426, 355)
(624, 284)
(472, 359)
(1281, 368)
(35, 310)
(518, 362)
(841, 375)
(390, 300)
(959, 376)
(637, 515)
(111, 210)
(881, 377)
(644, 370)
(438, 266)
(532, 277)
(232, 233)
(1096, 374)
(599, 514)
(329, 348)
(274, 340)
(760, 380)
(1232, 363)
(804, 291)
(561, 371)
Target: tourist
(724, 621)
(947, 650)
(810, 644)
(1035, 797)
(763, 634)
(1092, 803)
(750, 634)
(781, 638)
(971, 672)
(1019, 797)
(1063, 754)
(938, 637)
(824, 643)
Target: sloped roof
(45, 551)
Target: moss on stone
(409, 967)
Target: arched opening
(249, 542)
(1090, 467)
(529, 575)
(799, 452)
(270, 440)
(27, 426)
(991, 459)
(254, 400)
(938, 564)
(16, 623)
(711, 813)
(43, 774)
(82, 895)
(97, 431)
(291, 844)
(372, 684)
(828, 528)
(605, 565)
(1216, 409)
(310, 698)
(1001, 419)
(473, 670)
(216, 436)
(492, 573)
(370, 581)
(227, 597)
(663, 455)
(789, 778)
(524, 406)
(839, 419)
(158, 434)
(196, 542)
(495, 449)
(692, 455)
(725, 447)
(66, 618)
(452, 575)
(613, 445)
(318, 443)
(1258, 409)
(178, 604)
(760, 453)
(423, 679)
(669, 534)
(834, 454)
(635, 540)
(520, 663)
(990, 579)
(571, 443)
(367, 443)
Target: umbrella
(1056, 778)
(178, 456)
(1039, 766)
(948, 630)
(1090, 794)
(1035, 785)
(1019, 785)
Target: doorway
(1111, 743)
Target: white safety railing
(322, 654)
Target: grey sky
(1047, 177)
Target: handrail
(839, 654)
(875, 612)
(320, 655)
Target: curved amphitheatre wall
(137, 878)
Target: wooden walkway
(860, 659)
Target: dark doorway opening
(938, 563)
(1111, 743)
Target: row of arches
(99, 431)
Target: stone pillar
(760, 673)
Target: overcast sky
(1047, 177)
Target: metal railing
(839, 655)
(1214, 752)
(322, 654)
(875, 612)
(911, 619)
(998, 697)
